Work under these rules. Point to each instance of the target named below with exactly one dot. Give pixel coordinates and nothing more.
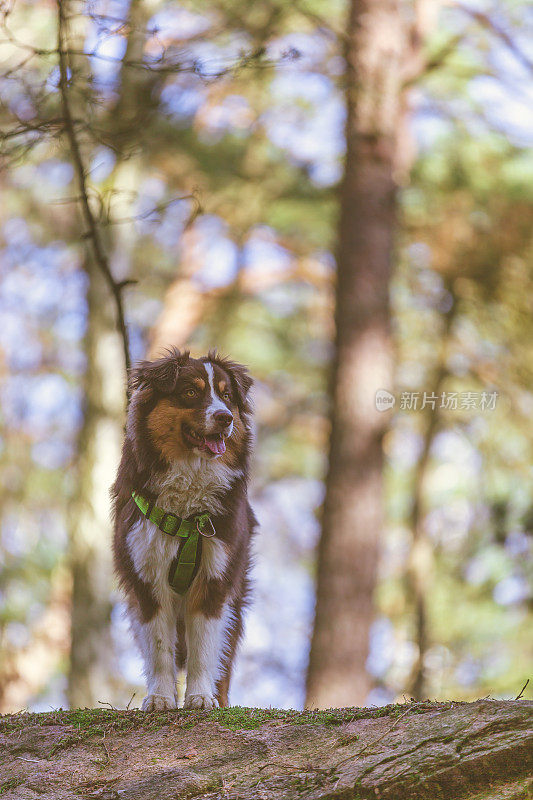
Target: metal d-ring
(207, 535)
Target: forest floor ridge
(439, 751)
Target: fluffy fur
(187, 446)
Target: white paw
(158, 702)
(200, 701)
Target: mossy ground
(453, 751)
(98, 721)
(7, 786)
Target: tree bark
(92, 667)
(419, 573)
(419, 751)
(352, 517)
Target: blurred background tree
(213, 141)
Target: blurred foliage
(246, 128)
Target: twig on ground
(106, 703)
(522, 690)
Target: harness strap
(184, 566)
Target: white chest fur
(193, 486)
(187, 488)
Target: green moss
(88, 722)
(65, 743)
(12, 783)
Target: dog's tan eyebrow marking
(221, 386)
(200, 383)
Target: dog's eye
(190, 393)
(226, 396)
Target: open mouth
(213, 443)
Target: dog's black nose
(223, 418)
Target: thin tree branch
(487, 22)
(93, 232)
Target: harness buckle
(200, 531)
(164, 518)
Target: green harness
(184, 567)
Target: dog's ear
(239, 376)
(242, 382)
(160, 375)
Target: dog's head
(190, 406)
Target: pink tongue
(217, 446)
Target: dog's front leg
(204, 641)
(157, 640)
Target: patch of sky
(30, 288)
(172, 223)
(216, 253)
(451, 524)
(55, 173)
(22, 107)
(380, 696)
(212, 58)
(52, 528)
(304, 51)
(16, 232)
(438, 658)
(468, 671)
(404, 445)
(506, 111)
(232, 114)
(326, 258)
(17, 635)
(271, 667)
(12, 541)
(129, 658)
(487, 566)
(306, 121)
(509, 65)
(52, 453)
(430, 283)
(38, 290)
(511, 590)
(71, 359)
(183, 97)
(454, 447)
(71, 326)
(429, 127)
(496, 662)
(20, 359)
(519, 544)
(102, 164)
(263, 255)
(381, 647)
(40, 402)
(53, 695)
(145, 208)
(137, 339)
(284, 300)
(175, 23)
(52, 82)
(105, 42)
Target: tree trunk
(420, 751)
(352, 521)
(419, 573)
(92, 667)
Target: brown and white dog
(187, 447)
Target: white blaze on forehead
(215, 403)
